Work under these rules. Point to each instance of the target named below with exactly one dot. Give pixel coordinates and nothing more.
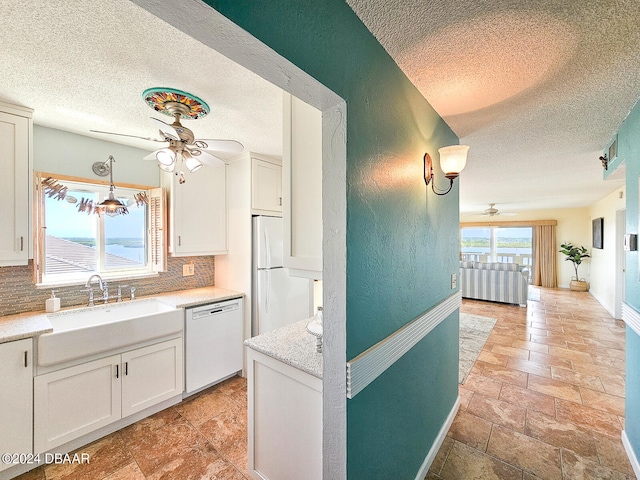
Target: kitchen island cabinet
(284, 386)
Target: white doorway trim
(621, 230)
(208, 26)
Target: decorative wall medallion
(160, 98)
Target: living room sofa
(496, 282)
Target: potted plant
(575, 255)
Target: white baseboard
(607, 307)
(424, 468)
(633, 459)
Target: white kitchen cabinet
(74, 401)
(16, 398)
(266, 187)
(77, 400)
(150, 375)
(198, 212)
(284, 420)
(302, 187)
(16, 128)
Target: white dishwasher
(213, 343)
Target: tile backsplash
(18, 293)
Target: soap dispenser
(52, 304)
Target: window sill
(120, 276)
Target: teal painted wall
(629, 152)
(402, 241)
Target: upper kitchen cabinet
(16, 127)
(266, 186)
(302, 188)
(198, 212)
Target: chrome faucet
(95, 275)
(103, 286)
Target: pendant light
(111, 205)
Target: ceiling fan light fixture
(192, 164)
(166, 156)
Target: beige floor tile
(465, 462)
(470, 430)
(555, 388)
(529, 399)
(498, 411)
(529, 454)
(603, 401)
(578, 468)
(587, 417)
(561, 434)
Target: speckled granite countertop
(23, 325)
(197, 296)
(292, 345)
(32, 324)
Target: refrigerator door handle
(267, 245)
(268, 290)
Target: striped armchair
(496, 282)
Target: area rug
(474, 331)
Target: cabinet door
(198, 213)
(302, 187)
(14, 189)
(75, 401)
(150, 375)
(266, 186)
(16, 397)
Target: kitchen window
(72, 241)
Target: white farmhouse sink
(88, 331)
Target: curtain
(544, 256)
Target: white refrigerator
(278, 298)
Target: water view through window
(498, 244)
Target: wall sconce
(452, 161)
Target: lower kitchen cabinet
(150, 375)
(16, 398)
(74, 401)
(284, 420)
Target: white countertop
(32, 324)
(292, 345)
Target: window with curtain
(497, 244)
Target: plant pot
(578, 286)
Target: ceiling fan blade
(165, 128)
(207, 158)
(222, 146)
(125, 135)
(151, 156)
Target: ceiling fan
(493, 211)
(183, 149)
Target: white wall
(603, 261)
(65, 153)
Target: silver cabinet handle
(179, 241)
(26, 359)
(21, 243)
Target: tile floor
(203, 437)
(545, 400)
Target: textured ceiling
(83, 64)
(536, 88)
